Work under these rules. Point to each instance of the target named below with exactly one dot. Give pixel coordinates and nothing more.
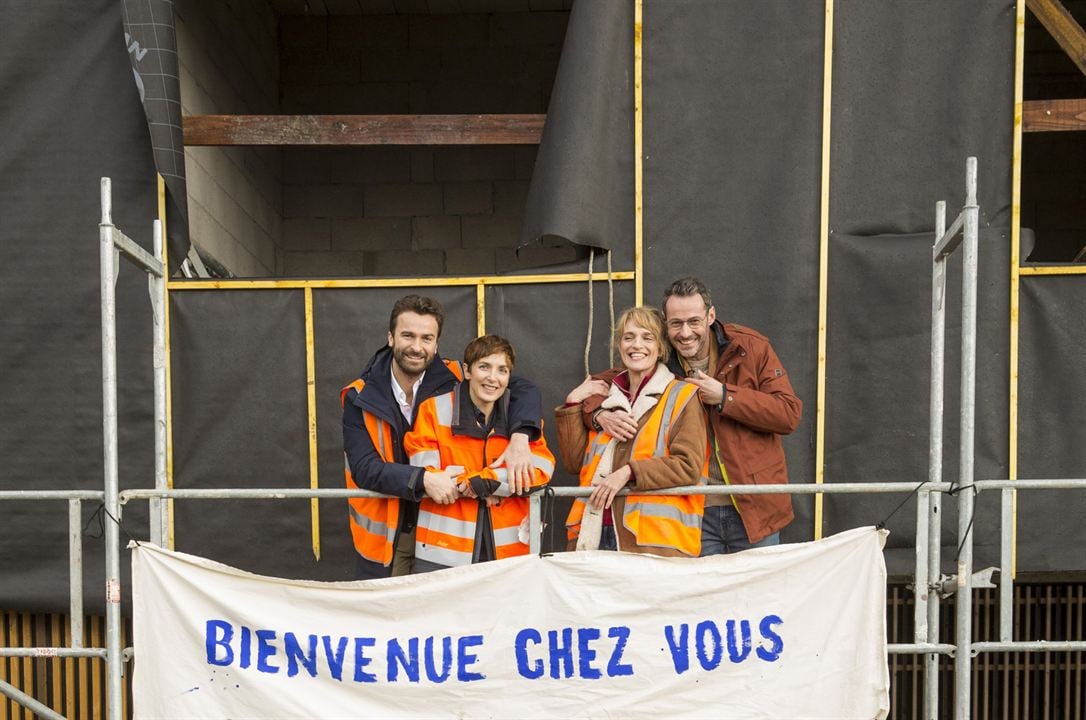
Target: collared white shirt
(407, 408)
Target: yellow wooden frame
(1016, 251)
(480, 282)
(161, 182)
(823, 267)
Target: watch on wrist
(596, 421)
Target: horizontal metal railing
(1005, 644)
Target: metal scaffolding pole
(108, 256)
(112, 243)
(967, 493)
(928, 518)
(156, 287)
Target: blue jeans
(722, 532)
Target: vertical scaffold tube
(156, 286)
(1006, 573)
(75, 563)
(964, 599)
(108, 256)
(932, 526)
(535, 523)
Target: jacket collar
(646, 399)
(377, 397)
(464, 411)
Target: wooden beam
(363, 129)
(1053, 115)
(1063, 27)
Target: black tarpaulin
(152, 49)
(582, 184)
(733, 102)
(917, 88)
(1051, 418)
(878, 374)
(69, 114)
(238, 375)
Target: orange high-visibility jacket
(375, 521)
(446, 435)
(672, 521)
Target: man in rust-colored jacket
(749, 403)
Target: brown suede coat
(682, 467)
(759, 406)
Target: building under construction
(537, 165)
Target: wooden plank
(41, 664)
(81, 684)
(339, 130)
(69, 675)
(1054, 115)
(97, 670)
(1063, 28)
(6, 672)
(55, 640)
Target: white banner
(795, 631)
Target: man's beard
(411, 364)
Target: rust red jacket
(759, 406)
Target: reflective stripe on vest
(440, 555)
(443, 404)
(444, 539)
(431, 522)
(426, 458)
(672, 521)
(543, 465)
(450, 541)
(373, 521)
(595, 447)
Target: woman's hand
(587, 389)
(605, 489)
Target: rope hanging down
(592, 307)
(611, 306)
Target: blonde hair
(648, 317)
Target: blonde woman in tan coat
(668, 450)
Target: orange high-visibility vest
(374, 522)
(445, 534)
(672, 521)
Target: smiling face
(688, 325)
(488, 377)
(639, 348)
(414, 342)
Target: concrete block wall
(413, 210)
(229, 60)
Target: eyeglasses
(694, 323)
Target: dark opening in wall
(368, 211)
(1054, 163)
